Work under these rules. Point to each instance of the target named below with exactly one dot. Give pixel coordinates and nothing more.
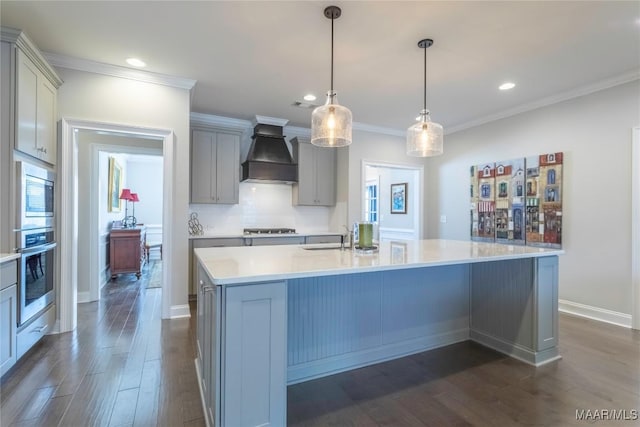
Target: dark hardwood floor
(124, 366)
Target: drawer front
(36, 330)
(8, 274)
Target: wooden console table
(127, 251)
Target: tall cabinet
(317, 169)
(29, 108)
(215, 166)
(28, 85)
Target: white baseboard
(84, 297)
(55, 329)
(595, 313)
(178, 311)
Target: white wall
(94, 97)
(594, 132)
(262, 206)
(144, 177)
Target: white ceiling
(259, 57)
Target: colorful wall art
(510, 177)
(483, 216)
(518, 201)
(544, 200)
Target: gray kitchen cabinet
(317, 169)
(277, 240)
(325, 238)
(8, 315)
(33, 90)
(240, 327)
(215, 166)
(208, 344)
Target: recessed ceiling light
(507, 86)
(309, 97)
(135, 62)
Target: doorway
(140, 163)
(70, 205)
(391, 222)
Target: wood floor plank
(147, 406)
(50, 415)
(124, 408)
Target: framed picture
(115, 186)
(399, 198)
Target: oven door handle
(37, 249)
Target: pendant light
(424, 139)
(331, 122)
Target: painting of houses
(509, 215)
(518, 201)
(486, 204)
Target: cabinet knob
(42, 150)
(201, 282)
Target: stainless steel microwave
(35, 196)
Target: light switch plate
(443, 219)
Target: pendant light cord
(332, 19)
(424, 100)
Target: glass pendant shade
(424, 138)
(331, 124)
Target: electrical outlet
(443, 219)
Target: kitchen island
(272, 316)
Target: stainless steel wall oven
(35, 239)
(37, 273)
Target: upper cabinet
(316, 175)
(215, 166)
(32, 87)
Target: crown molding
(200, 119)
(80, 64)
(265, 120)
(29, 48)
(550, 100)
(377, 129)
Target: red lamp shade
(134, 197)
(126, 194)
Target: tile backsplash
(262, 205)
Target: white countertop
(246, 264)
(240, 235)
(8, 257)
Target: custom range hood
(269, 159)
